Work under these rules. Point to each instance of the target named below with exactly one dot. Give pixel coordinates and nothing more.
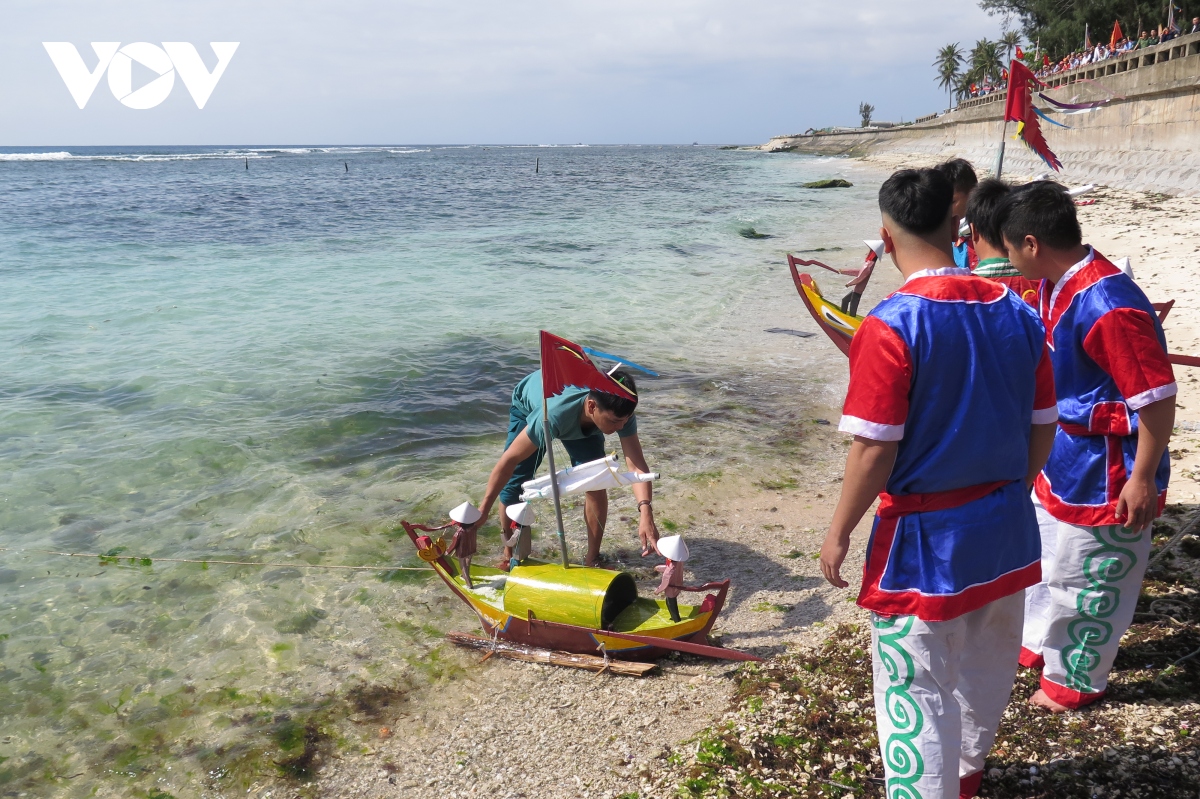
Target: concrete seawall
(1147, 140)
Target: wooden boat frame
(689, 635)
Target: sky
(475, 71)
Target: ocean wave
(65, 156)
(35, 156)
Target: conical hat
(876, 245)
(672, 547)
(465, 513)
(521, 513)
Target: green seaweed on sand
(778, 484)
(803, 725)
(829, 183)
(751, 233)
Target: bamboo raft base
(532, 654)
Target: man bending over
(580, 419)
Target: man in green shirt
(580, 418)
(983, 214)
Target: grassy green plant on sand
(803, 725)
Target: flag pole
(562, 535)
(1004, 125)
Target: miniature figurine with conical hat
(676, 552)
(518, 537)
(463, 545)
(861, 276)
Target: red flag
(1045, 60)
(1018, 107)
(1020, 53)
(1116, 36)
(565, 364)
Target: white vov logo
(172, 57)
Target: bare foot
(1042, 700)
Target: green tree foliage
(1058, 24)
(948, 65)
(1009, 43)
(865, 110)
(987, 61)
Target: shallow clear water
(274, 354)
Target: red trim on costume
(968, 786)
(937, 287)
(1099, 269)
(1030, 659)
(1068, 697)
(893, 505)
(1085, 515)
(938, 608)
(1116, 469)
(1109, 419)
(1044, 396)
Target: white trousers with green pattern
(1074, 618)
(940, 690)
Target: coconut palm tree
(986, 61)
(1009, 43)
(948, 62)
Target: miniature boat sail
(592, 476)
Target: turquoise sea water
(274, 354)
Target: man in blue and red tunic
(1106, 479)
(951, 404)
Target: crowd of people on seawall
(1116, 46)
(986, 74)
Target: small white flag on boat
(593, 476)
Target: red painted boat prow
(578, 609)
(833, 322)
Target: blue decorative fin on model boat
(620, 360)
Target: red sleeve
(1124, 343)
(1045, 406)
(880, 378)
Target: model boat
(577, 609)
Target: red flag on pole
(1045, 60)
(565, 364)
(1018, 107)
(1020, 53)
(1117, 35)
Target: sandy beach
(505, 729)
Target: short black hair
(621, 407)
(983, 210)
(1044, 210)
(960, 173)
(918, 200)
